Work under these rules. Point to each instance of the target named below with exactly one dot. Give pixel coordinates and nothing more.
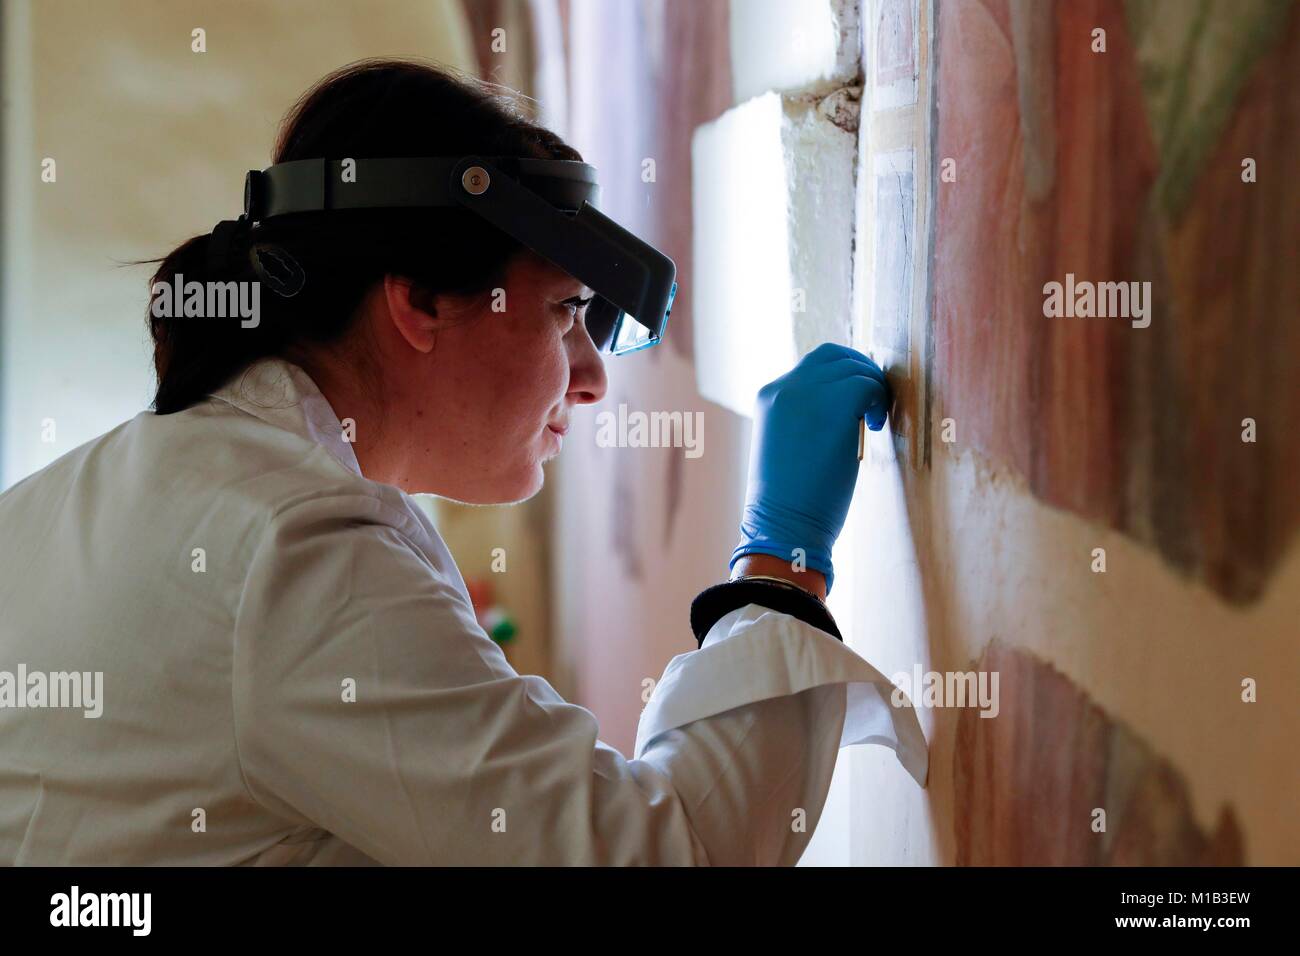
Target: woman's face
(483, 390)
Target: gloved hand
(803, 462)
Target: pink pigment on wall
(1073, 161)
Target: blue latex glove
(803, 463)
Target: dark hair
(371, 108)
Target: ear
(414, 319)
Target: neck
(380, 458)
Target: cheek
(528, 378)
(538, 356)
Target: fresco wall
(1127, 165)
(1088, 514)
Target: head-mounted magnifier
(547, 205)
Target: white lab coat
(226, 736)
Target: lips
(558, 429)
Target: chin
(524, 479)
(534, 485)
(517, 488)
(506, 492)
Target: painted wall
(1120, 690)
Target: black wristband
(711, 604)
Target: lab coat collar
(283, 394)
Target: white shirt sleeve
(368, 702)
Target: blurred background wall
(151, 142)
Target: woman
(285, 662)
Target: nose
(587, 380)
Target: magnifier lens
(631, 335)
